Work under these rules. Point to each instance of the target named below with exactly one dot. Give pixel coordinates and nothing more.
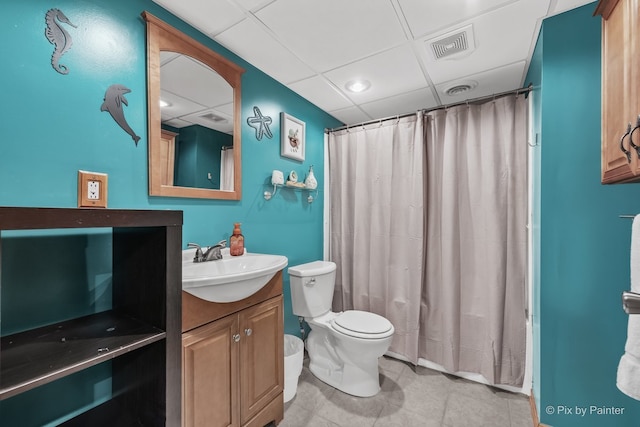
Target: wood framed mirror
(194, 138)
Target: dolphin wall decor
(58, 37)
(113, 100)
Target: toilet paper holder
(631, 302)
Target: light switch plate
(92, 189)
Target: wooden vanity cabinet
(620, 91)
(233, 360)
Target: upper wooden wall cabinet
(620, 91)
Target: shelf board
(16, 218)
(38, 356)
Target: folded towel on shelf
(628, 379)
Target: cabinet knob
(626, 152)
(248, 331)
(236, 337)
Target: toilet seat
(362, 324)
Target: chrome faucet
(211, 254)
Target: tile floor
(410, 397)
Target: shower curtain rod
(525, 90)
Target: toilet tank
(312, 288)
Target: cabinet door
(616, 94)
(262, 356)
(210, 374)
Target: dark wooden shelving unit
(141, 334)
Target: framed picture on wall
(292, 137)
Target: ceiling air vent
(214, 118)
(457, 90)
(460, 87)
(453, 43)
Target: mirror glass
(196, 104)
(194, 119)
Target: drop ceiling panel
(314, 48)
(490, 82)
(392, 72)
(222, 123)
(324, 95)
(400, 104)
(226, 109)
(327, 34)
(350, 115)
(426, 17)
(210, 17)
(501, 37)
(253, 5)
(193, 80)
(178, 106)
(250, 41)
(560, 6)
(176, 123)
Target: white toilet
(343, 347)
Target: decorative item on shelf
(58, 37)
(260, 123)
(293, 180)
(292, 137)
(310, 182)
(277, 177)
(113, 100)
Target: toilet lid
(362, 324)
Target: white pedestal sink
(231, 278)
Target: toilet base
(360, 380)
(365, 387)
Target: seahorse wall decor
(113, 100)
(58, 37)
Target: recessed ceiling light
(164, 103)
(357, 86)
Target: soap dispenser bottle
(236, 241)
(311, 182)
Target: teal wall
(583, 263)
(53, 127)
(197, 154)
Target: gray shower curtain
(376, 211)
(474, 291)
(446, 266)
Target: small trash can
(293, 354)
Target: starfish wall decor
(260, 123)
